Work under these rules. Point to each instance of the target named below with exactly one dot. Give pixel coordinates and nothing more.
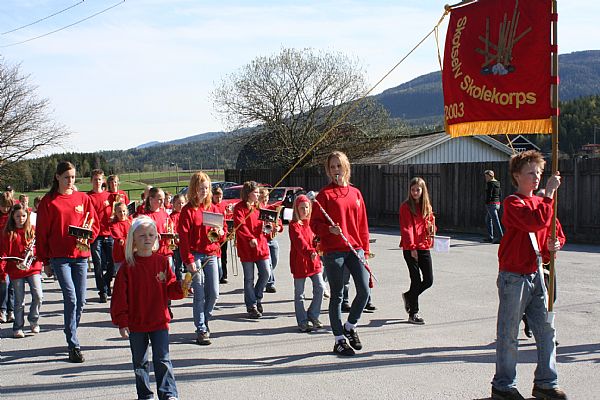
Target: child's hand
(253, 243)
(121, 242)
(552, 184)
(124, 332)
(191, 268)
(553, 246)
(313, 255)
(414, 254)
(335, 230)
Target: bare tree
(26, 125)
(292, 99)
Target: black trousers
(421, 277)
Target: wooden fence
(457, 192)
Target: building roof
(410, 147)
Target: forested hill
(421, 99)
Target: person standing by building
(492, 207)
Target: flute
(312, 197)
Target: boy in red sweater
(521, 289)
(102, 247)
(143, 318)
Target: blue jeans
(163, 369)
(520, 294)
(104, 267)
(334, 265)
(274, 259)
(314, 310)
(71, 274)
(205, 283)
(253, 293)
(35, 286)
(178, 266)
(492, 221)
(7, 294)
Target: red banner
(497, 68)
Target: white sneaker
(35, 328)
(18, 334)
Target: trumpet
(173, 235)
(28, 258)
(213, 235)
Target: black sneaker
(259, 307)
(548, 394)
(254, 313)
(341, 348)
(203, 339)
(103, 298)
(511, 394)
(75, 355)
(345, 306)
(223, 280)
(369, 308)
(416, 319)
(270, 289)
(406, 305)
(353, 338)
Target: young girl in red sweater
(179, 201)
(417, 227)
(144, 318)
(62, 254)
(305, 263)
(154, 208)
(16, 241)
(252, 248)
(6, 287)
(119, 227)
(199, 253)
(345, 206)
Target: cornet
(173, 236)
(83, 233)
(28, 258)
(213, 235)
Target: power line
(42, 19)
(65, 27)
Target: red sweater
(346, 207)
(119, 230)
(193, 235)
(301, 239)
(162, 221)
(141, 294)
(222, 209)
(413, 229)
(103, 208)
(55, 213)
(248, 229)
(532, 214)
(112, 196)
(16, 248)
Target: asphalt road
(452, 356)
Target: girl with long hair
(417, 227)
(252, 248)
(62, 254)
(17, 241)
(345, 205)
(305, 263)
(199, 252)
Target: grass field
(135, 183)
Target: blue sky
(144, 70)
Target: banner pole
(552, 277)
